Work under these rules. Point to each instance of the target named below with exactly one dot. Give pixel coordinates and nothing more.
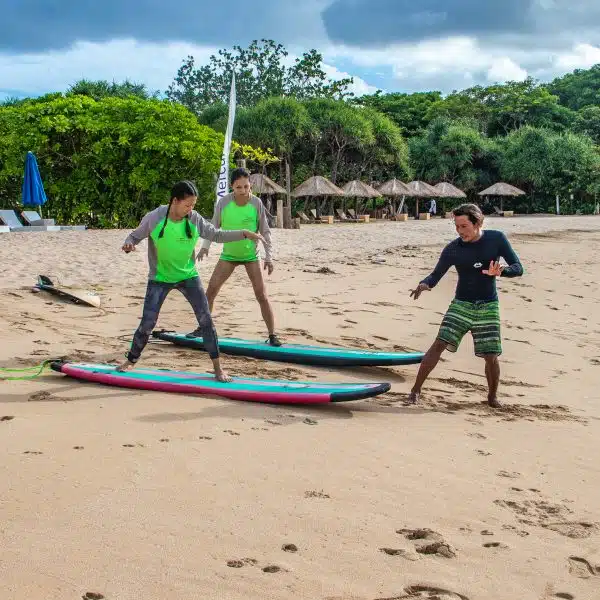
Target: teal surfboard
(297, 353)
(251, 389)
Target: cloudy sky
(393, 45)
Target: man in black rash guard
(475, 254)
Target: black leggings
(156, 294)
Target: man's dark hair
(472, 211)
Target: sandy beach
(130, 495)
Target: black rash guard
(470, 259)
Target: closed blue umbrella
(33, 188)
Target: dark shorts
(482, 319)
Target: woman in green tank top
(242, 210)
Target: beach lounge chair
(33, 218)
(10, 218)
(304, 218)
(343, 217)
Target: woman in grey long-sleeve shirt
(173, 232)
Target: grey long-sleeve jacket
(206, 230)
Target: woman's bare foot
(223, 377)
(124, 366)
(494, 403)
(413, 397)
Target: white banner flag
(223, 180)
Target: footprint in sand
(204, 437)
(164, 440)
(496, 545)
(400, 552)
(230, 432)
(77, 447)
(289, 548)
(313, 494)
(580, 567)
(238, 564)
(272, 569)
(484, 453)
(572, 529)
(34, 452)
(509, 474)
(426, 592)
(40, 397)
(92, 596)
(6, 418)
(564, 596)
(428, 541)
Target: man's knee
(439, 346)
(490, 359)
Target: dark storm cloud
(380, 22)
(39, 25)
(520, 23)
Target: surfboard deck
(297, 353)
(271, 391)
(76, 295)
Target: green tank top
(240, 217)
(175, 252)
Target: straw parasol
(502, 189)
(420, 189)
(261, 184)
(357, 189)
(317, 186)
(447, 190)
(394, 187)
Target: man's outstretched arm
(514, 268)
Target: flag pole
(223, 179)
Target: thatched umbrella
(394, 188)
(358, 189)
(261, 184)
(447, 190)
(420, 189)
(317, 186)
(502, 190)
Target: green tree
(103, 89)
(383, 156)
(410, 112)
(105, 163)
(587, 123)
(338, 128)
(546, 163)
(260, 72)
(506, 107)
(578, 89)
(452, 151)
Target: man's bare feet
(223, 377)
(494, 403)
(413, 397)
(124, 366)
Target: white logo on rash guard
(478, 265)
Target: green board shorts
(482, 319)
